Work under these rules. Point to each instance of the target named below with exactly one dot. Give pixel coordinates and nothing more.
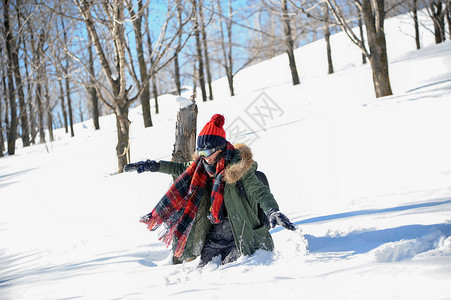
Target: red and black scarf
(178, 207)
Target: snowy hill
(366, 180)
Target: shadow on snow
(19, 270)
(368, 212)
(363, 242)
(359, 242)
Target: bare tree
(327, 38)
(115, 74)
(6, 97)
(319, 12)
(3, 98)
(153, 79)
(437, 10)
(40, 65)
(92, 91)
(281, 9)
(448, 16)
(30, 99)
(48, 105)
(63, 104)
(205, 48)
(224, 40)
(373, 15)
(362, 35)
(15, 43)
(416, 23)
(289, 43)
(177, 50)
(226, 45)
(12, 132)
(199, 55)
(116, 94)
(2, 142)
(265, 40)
(65, 69)
(137, 27)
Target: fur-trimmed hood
(235, 171)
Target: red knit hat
(212, 135)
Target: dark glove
(143, 166)
(278, 218)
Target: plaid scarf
(178, 207)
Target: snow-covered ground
(367, 181)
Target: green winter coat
(249, 234)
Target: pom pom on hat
(213, 134)
(218, 120)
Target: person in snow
(203, 212)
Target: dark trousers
(219, 241)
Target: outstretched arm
(167, 167)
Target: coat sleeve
(256, 191)
(173, 168)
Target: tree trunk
(178, 85)
(155, 95)
(205, 47)
(39, 100)
(200, 59)
(6, 110)
(2, 141)
(28, 101)
(20, 89)
(154, 80)
(416, 24)
(178, 48)
(185, 134)
(438, 17)
(21, 96)
(227, 49)
(66, 78)
(229, 59)
(39, 97)
(230, 81)
(80, 112)
(145, 95)
(69, 103)
(63, 106)
(30, 98)
(327, 39)
(362, 36)
(123, 141)
(92, 90)
(374, 21)
(448, 16)
(39, 54)
(289, 43)
(32, 110)
(4, 99)
(48, 108)
(12, 132)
